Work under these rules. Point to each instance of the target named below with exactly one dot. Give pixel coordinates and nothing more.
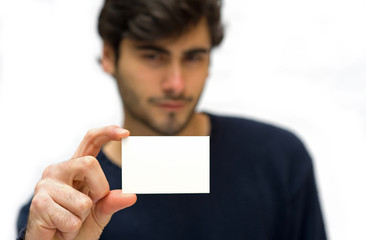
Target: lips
(171, 105)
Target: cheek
(139, 84)
(127, 92)
(198, 81)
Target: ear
(108, 59)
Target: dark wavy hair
(151, 20)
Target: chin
(170, 128)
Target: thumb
(114, 201)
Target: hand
(73, 199)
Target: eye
(154, 56)
(151, 56)
(195, 57)
(154, 59)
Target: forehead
(197, 36)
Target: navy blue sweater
(262, 187)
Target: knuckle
(42, 184)
(74, 224)
(39, 203)
(91, 139)
(90, 134)
(65, 221)
(89, 162)
(49, 171)
(85, 204)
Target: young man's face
(160, 82)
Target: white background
(298, 64)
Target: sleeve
(305, 220)
(21, 234)
(22, 221)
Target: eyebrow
(152, 48)
(199, 50)
(196, 51)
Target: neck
(199, 125)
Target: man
(262, 183)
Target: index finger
(96, 138)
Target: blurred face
(160, 82)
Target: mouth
(171, 105)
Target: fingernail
(121, 131)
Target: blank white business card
(166, 164)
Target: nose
(173, 83)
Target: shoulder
(253, 131)
(266, 144)
(273, 155)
